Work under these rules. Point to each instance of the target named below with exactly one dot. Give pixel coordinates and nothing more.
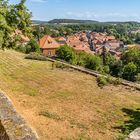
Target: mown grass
(71, 104)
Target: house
(93, 42)
(110, 43)
(48, 45)
(79, 42)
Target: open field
(67, 104)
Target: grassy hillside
(66, 104)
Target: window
(49, 53)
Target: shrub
(114, 81)
(32, 46)
(129, 71)
(116, 68)
(36, 57)
(81, 58)
(60, 65)
(138, 77)
(66, 53)
(106, 69)
(102, 81)
(117, 81)
(109, 79)
(21, 48)
(28, 49)
(93, 62)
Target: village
(89, 42)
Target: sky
(101, 10)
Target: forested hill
(63, 21)
(71, 21)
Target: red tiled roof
(110, 37)
(48, 42)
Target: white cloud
(102, 16)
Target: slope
(66, 104)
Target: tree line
(121, 31)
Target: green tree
(93, 62)
(13, 17)
(66, 53)
(116, 68)
(32, 46)
(129, 71)
(20, 18)
(5, 29)
(132, 55)
(81, 58)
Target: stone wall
(135, 135)
(12, 125)
(3, 134)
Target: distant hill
(121, 22)
(75, 21)
(39, 22)
(61, 21)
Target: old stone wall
(135, 135)
(3, 134)
(12, 125)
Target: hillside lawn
(67, 104)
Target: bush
(81, 58)
(116, 68)
(93, 62)
(129, 71)
(109, 79)
(66, 53)
(138, 77)
(106, 69)
(32, 46)
(114, 81)
(60, 65)
(102, 81)
(21, 48)
(117, 81)
(36, 56)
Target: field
(67, 104)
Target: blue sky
(101, 10)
